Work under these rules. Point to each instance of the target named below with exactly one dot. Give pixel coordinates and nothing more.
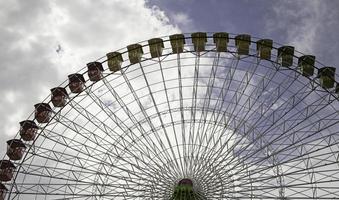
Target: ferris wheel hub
(186, 181)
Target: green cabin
(220, 40)
(156, 46)
(285, 56)
(242, 42)
(199, 40)
(326, 77)
(114, 60)
(306, 65)
(264, 48)
(177, 42)
(184, 191)
(134, 53)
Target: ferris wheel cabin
(59, 96)
(3, 191)
(199, 40)
(134, 53)
(242, 42)
(28, 130)
(221, 40)
(306, 65)
(264, 48)
(114, 60)
(327, 77)
(156, 45)
(76, 83)
(43, 112)
(177, 43)
(95, 70)
(6, 170)
(15, 149)
(285, 56)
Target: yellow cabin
(242, 42)
(134, 53)
(326, 77)
(114, 60)
(285, 56)
(199, 40)
(156, 46)
(306, 65)
(221, 40)
(264, 48)
(177, 42)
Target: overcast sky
(43, 41)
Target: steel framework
(239, 125)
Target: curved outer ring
(83, 71)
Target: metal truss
(238, 126)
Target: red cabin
(95, 70)
(43, 112)
(6, 170)
(59, 96)
(3, 191)
(15, 149)
(186, 181)
(76, 83)
(28, 130)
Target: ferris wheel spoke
(93, 156)
(88, 151)
(298, 160)
(222, 102)
(167, 156)
(91, 115)
(136, 123)
(86, 176)
(64, 159)
(293, 176)
(221, 95)
(301, 156)
(209, 120)
(240, 124)
(191, 134)
(126, 130)
(255, 91)
(285, 134)
(173, 156)
(182, 115)
(170, 112)
(226, 84)
(206, 104)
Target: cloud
(182, 19)
(308, 25)
(32, 32)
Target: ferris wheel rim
(126, 67)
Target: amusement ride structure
(186, 116)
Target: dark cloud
(311, 26)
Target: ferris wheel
(186, 116)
